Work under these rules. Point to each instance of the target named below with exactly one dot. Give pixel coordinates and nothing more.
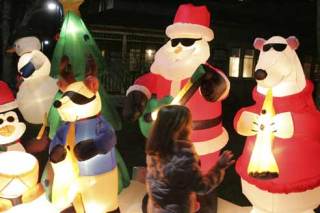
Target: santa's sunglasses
(276, 46)
(187, 42)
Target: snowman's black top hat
(21, 32)
(25, 31)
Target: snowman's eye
(10, 119)
(1, 121)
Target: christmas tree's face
(279, 67)
(78, 102)
(180, 57)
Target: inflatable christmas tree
(76, 42)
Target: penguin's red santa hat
(7, 99)
(191, 22)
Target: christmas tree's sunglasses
(187, 42)
(276, 46)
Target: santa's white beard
(180, 66)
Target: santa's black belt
(206, 124)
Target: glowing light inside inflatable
(18, 173)
(83, 182)
(84, 109)
(65, 186)
(262, 162)
(38, 89)
(73, 28)
(175, 101)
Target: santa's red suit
(297, 157)
(209, 136)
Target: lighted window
(234, 62)
(248, 64)
(103, 53)
(149, 56)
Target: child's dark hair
(173, 123)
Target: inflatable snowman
(38, 89)
(83, 150)
(11, 129)
(20, 191)
(279, 166)
(180, 74)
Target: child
(173, 171)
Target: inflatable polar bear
(294, 183)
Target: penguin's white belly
(35, 97)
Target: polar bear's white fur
(285, 75)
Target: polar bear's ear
(258, 43)
(293, 42)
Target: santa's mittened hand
(85, 150)
(134, 105)
(27, 70)
(225, 160)
(212, 85)
(58, 154)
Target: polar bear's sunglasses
(187, 42)
(78, 98)
(276, 46)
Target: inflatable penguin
(85, 144)
(11, 129)
(20, 191)
(279, 166)
(38, 89)
(180, 74)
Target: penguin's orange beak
(7, 130)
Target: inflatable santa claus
(11, 129)
(279, 166)
(180, 74)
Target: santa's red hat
(7, 99)
(191, 22)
